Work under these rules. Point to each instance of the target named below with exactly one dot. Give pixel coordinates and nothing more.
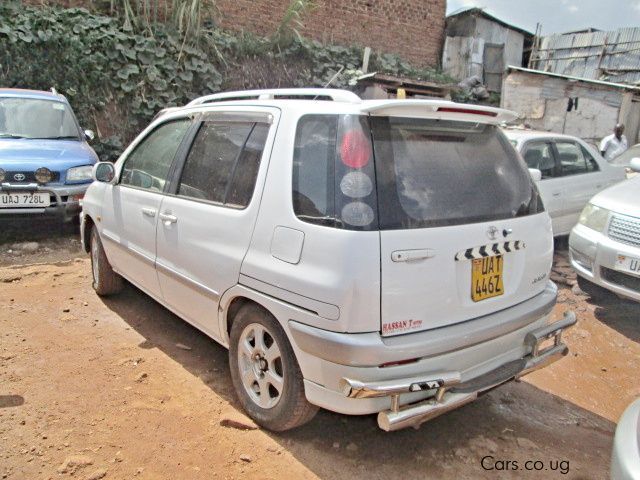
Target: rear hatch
(461, 229)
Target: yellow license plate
(486, 278)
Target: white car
(625, 457)
(624, 160)
(572, 172)
(381, 256)
(604, 246)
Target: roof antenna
(331, 80)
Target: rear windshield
(437, 173)
(365, 173)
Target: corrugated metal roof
(634, 88)
(483, 12)
(611, 56)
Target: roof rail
(335, 95)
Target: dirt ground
(123, 389)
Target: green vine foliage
(117, 79)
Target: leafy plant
(292, 21)
(115, 79)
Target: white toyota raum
(386, 257)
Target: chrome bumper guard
(450, 393)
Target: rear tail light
(356, 200)
(355, 149)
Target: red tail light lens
(355, 150)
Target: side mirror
(89, 134)
(635, 164)
(536, 174)
(104, 172)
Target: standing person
(614, 145)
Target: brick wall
(413, 29)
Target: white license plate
(24, 200)
(628, 264)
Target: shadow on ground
(619, 314)
(30, 229)
(515, 422)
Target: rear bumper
(450, 392)
(65, 204)
(371, 349)
(453, 365)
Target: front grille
(627, 281)
(29, 177)
(625, 230)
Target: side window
(313, 167)
(572, 161)
(539, 155)
(592, 165)
(148, 165)
(222, 165)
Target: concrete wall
(541, 101)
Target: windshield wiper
(61, 137)
(11, 135)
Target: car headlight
(594, 217)
(3, 174)
(43, 175)
(79, 174)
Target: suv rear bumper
(65, 201)
(446, 367)
(372, 350)
(450, 392)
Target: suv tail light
(355, 175)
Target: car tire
(105, 281)
(596, 292)
(265, 373)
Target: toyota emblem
(19, 177)
(492, 233)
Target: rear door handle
(412, 255)
(149, 212)
(556, 194)
(167, 218)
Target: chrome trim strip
(357, 389)
(188, 282)
(371, 349)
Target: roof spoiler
(441, 109)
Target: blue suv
(45, 161)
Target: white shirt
(612, 147)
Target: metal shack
(477, 43)
(586, 108)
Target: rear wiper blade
(11, 135)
